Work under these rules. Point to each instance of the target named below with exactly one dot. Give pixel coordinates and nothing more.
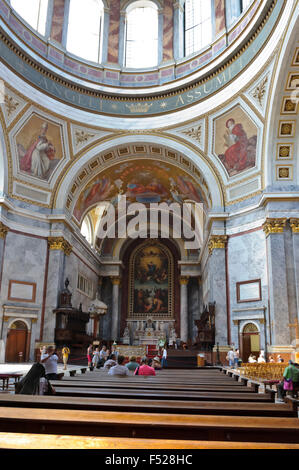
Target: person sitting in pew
(144, 368)
(132, 364)
(156, 363)
(120, 368)
(111, 362)
(50, 360)
(34, 382)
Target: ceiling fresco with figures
(140, 181)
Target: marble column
(58, 249)
(218, 287)
(184, 308)
(278, 288)
(115, 308)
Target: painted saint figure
(241, 151)
(37, 158)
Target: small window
(198, 25)
(141, 49)
(85, 286)
(34, 13)
(86, 229)
(234, 8)
(84, 29)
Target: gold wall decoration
(184, 280)
(272, 225)
(59, 243)
(260, 91)
(294, 224)
(10, 104)
(217, 241)
(82, 136)
(286, 129)
(284, 172)
(285, 151)
(115, 280)
(3, 230)
(195, 133)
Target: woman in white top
(50, 360)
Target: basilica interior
(115, 111)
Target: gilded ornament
(10, 104)
(184, 280)
(194, 133)
(59, 243)
(294, 224)
(260, 91)
(82, 137)
(274, 225)
(217, 241)
(3, 230)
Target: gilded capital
(294, 224)
(3, 230)
(59, 243)
(115, 280)
(274, 225)
(217, 241)
(184, 280)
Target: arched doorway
(16, 341)
(250, 341)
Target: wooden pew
(154, 386)
(153, 426)
(163, 394)
(58, 441)
(288, 409)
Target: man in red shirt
(144, 368)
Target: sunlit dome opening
(198, 25)
(84, 29)
(234, 8)
(142, 36)
(33, 11)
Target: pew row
(58, 441)
(150, 426)
(288, 409)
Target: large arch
(196, 158)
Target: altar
(128, 351)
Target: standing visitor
(230, 357)
(65, 355)
(89, 355)
(164, 357)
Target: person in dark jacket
(34, 382)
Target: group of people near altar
(116, 364)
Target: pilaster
(278, 288)
(218, 287)
(58, 249)
(184, 308)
